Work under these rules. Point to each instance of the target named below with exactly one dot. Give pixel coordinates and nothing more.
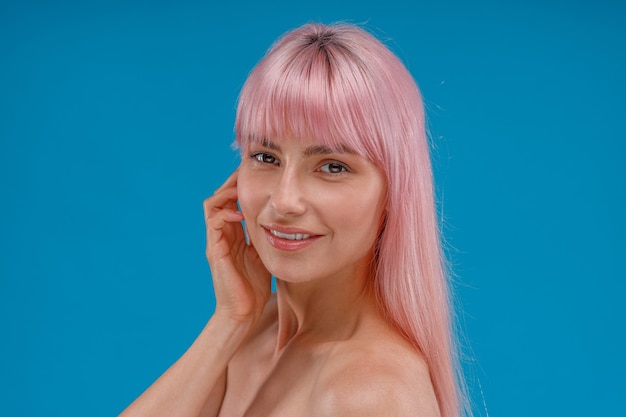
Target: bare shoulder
(381, 376)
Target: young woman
(336, 192)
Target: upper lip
(288, 230)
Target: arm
(196, 382)
(198, 375)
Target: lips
(288, 238)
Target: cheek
(246, 199)
(244, 194)
(250, 194)
(354, 220)
(366, 221)
(366, 215)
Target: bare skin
(370, 372)
(319, 346)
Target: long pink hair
(342, 86)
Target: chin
(293, 274)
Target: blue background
(116, 122)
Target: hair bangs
(316, 92)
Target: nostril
(288, 201)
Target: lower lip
(289, 245)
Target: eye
(334, 168)
(264, 158)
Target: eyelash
(262, 158)
(343, 168)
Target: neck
(324, 309)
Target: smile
(295, 236)
(290, 239)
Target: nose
(287, 195)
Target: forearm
(184, 389)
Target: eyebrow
(311, 150)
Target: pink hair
(340, 85)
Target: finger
(223, 231)
(227, 222)
(224, 217)
(230, 181)
(226, 198)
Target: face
(311, 212)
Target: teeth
(297, 236)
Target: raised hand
(240, 280)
